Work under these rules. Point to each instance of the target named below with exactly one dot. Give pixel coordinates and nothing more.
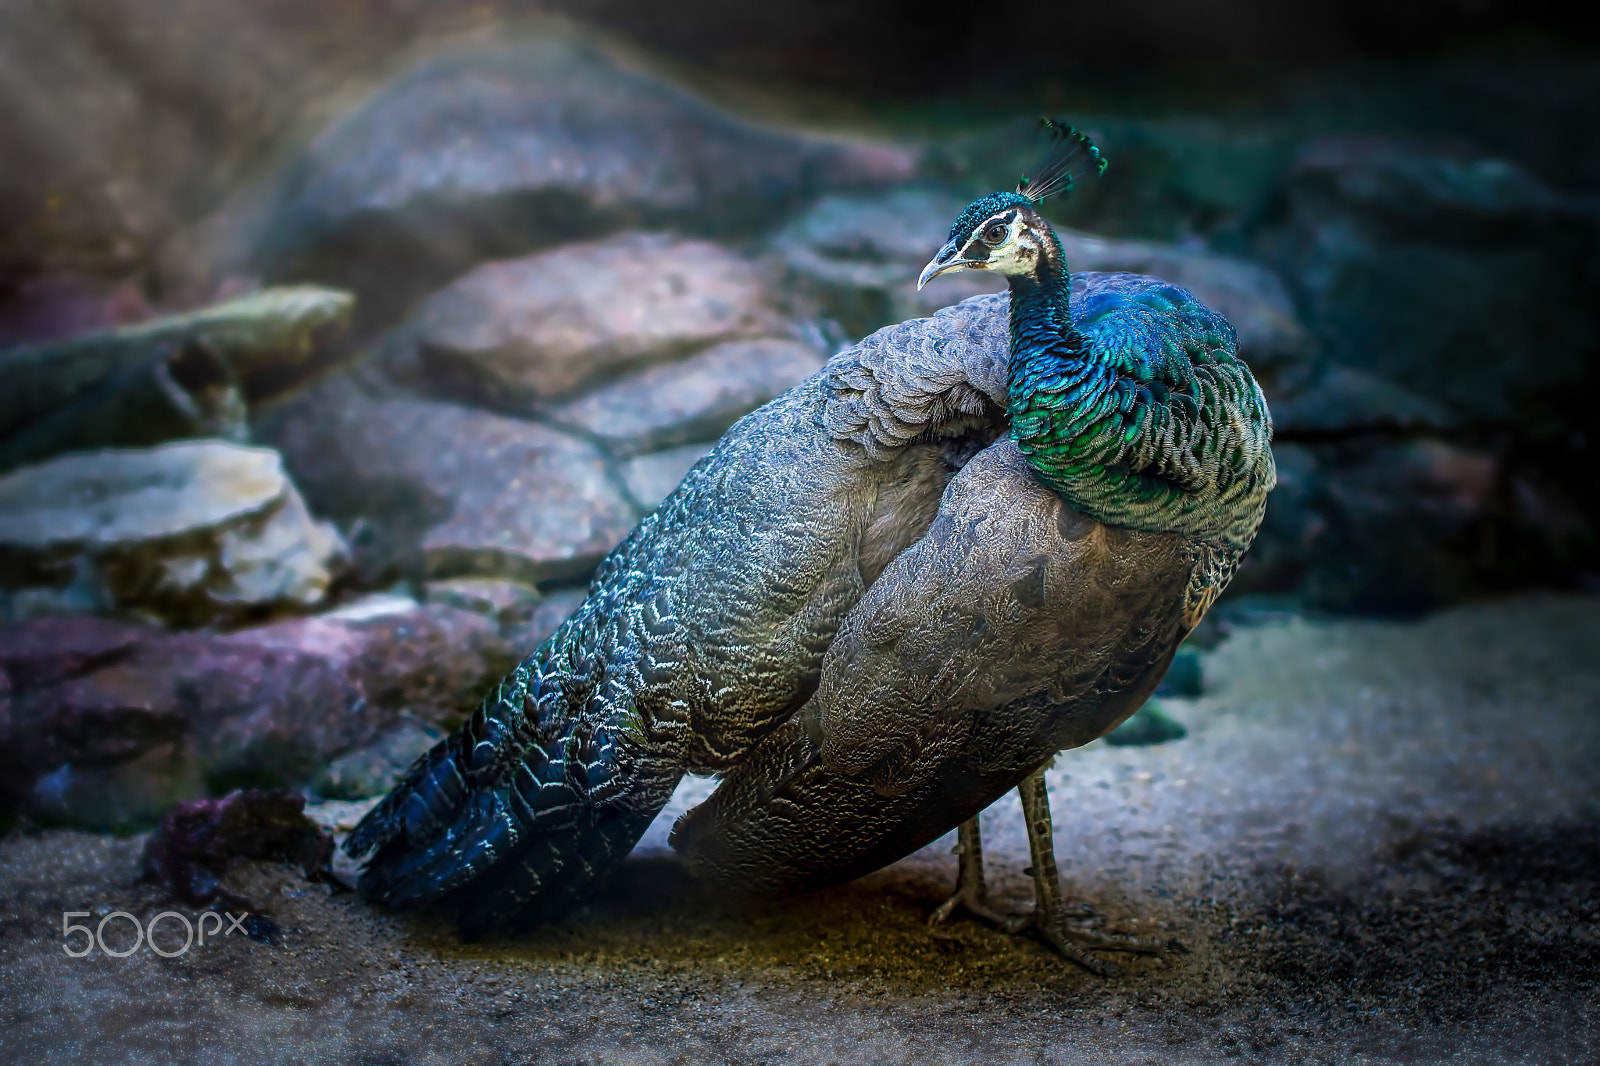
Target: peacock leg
(1048, 916)
(971, 894)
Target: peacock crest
(1071, 156)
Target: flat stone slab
(512, 332)
(189, 532)
(255, 333)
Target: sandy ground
(1381, 843)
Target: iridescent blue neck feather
(1133, 405)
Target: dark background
(172, 103)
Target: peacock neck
(1041, 321)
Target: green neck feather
(1136, 411)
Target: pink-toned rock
(523, 330)
(108, 723)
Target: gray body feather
(1014, 628)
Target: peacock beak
(949, 258)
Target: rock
(526, 635)
(109, 724)
(166, 379)
(1318, 398)
(1146, 726)
(438, 490)
(1458, 276)
(197, 841)
(858, 259)
(193, 533)
(695, 399)
(122, 151)
(47, 308)
(1185, 678)
(651, 478)
(511, 333)
(495, 597)
(1381, 525)
(1247, 294)
(855, 259)
(339, 817)
(495, 151)
(47, 652)
(374, 769)
(523, 615)
(1170, 179)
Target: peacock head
(1004, 231)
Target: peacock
(702, 632)
(717, 635)
(1067, 561)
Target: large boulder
(131, 125)
(190, 533)
(104, 723)
(498, 150)
(1380, 524)
(1454, 274)
(1435, 447)
(440, 490)
(514, 333)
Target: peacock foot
(1071, 936)
(976, 903)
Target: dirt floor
(1380, 842)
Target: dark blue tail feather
(501, 822)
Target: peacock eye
(994, 234)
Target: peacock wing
(1011, 599)
(1013, 628)
(924, 377)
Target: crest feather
(1071, 156)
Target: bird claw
(1069, 937)
(1071, 940)
(978, 906)
(1061, 937)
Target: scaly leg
(1048, 917)
(971, 894)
